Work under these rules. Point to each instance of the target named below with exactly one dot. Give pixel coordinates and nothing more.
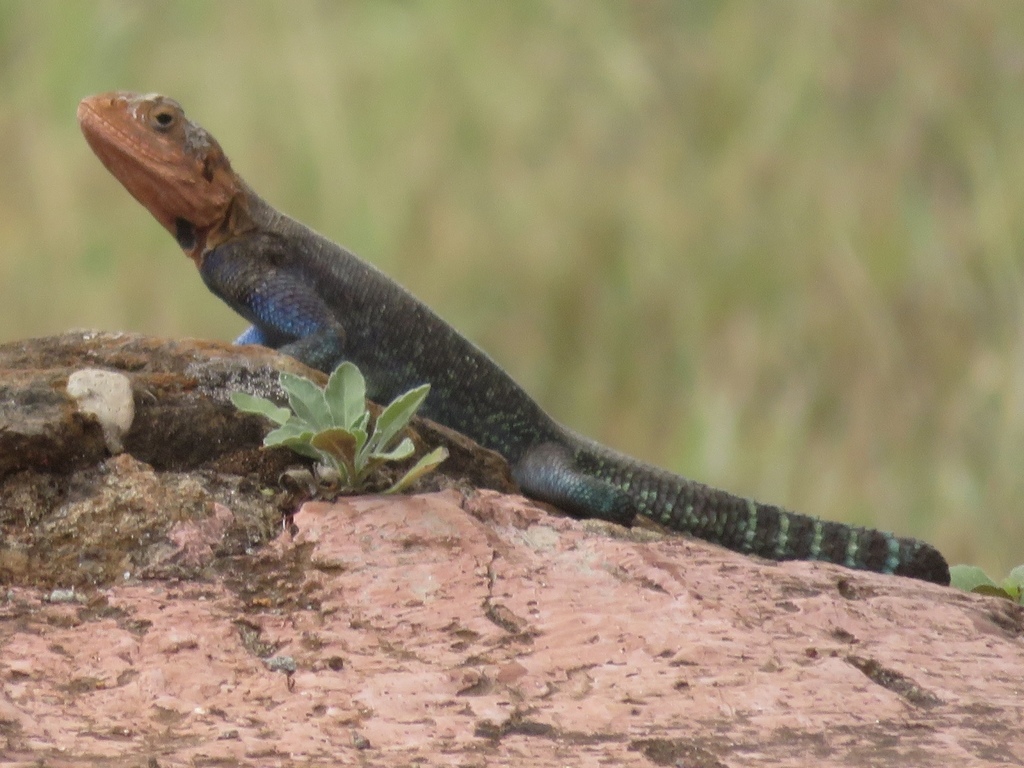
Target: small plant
(970, 578)
(331, 425)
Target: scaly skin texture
(316, 301)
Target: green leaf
(290, 431)
(969, 578)
(402, 451)
(369, 461)
(330, 426)
(346, 395)
(396, 417)
(1015, 579)
(419, 469)
(337, 442)
(293, 437)
(307, 400)
(1012, 591)
(247, 403)
(340, 446)
(360, 439)
(362, 421)
(994, 591)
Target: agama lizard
(312, 299)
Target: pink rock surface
(436, 630)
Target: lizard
(312, 299)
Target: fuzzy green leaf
(293, 436)
(346, 395)
(402, 451)
(1015, 580)
(362, 421)
(419, 469)
(306, 400)
(289, 431)
(969, 578)
(342, 447)
(337, 442)
(985, 589)
(247, 403)
(1012, 591)
(396, 416)
(370, 461)
(330, 425)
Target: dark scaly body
(314, 300)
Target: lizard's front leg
(286, 311)
(252, 335)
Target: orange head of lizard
(168, 163)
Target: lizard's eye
(162, 117)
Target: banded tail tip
(925, 563)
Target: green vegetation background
(773, 246)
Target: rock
(107, 396)
(193, 483)
(154, 610)
(481, 630)
(183, 418)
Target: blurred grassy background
(773, 246)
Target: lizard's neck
(245, 213)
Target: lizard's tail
(751, 527)
(590, 480)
